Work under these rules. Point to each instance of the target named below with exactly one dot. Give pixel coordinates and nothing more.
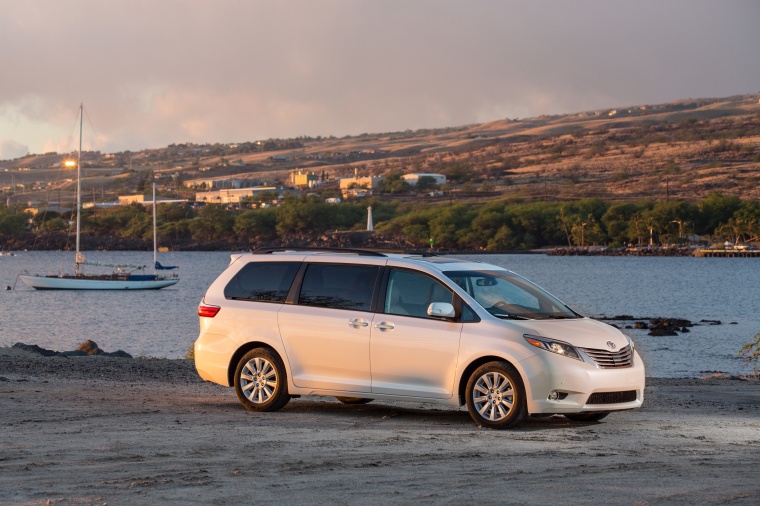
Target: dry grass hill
(685, 149)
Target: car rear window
(262, 281)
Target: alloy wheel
(493, 396)
(258, 380)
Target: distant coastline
(59, 241)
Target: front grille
(612, 397)
(611, 359)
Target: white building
(218, 182)
(146, 200)
(234, 195)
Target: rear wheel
(354, 400)
(587, 417)
(495, 396)
(260, 381)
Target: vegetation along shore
(644, 227)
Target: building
(359, 186)
(218, 182)
(302, 178)
(234, 195)
(414, 178)
(146, 200)
(368, 183)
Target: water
(157, 323)
(163, 323)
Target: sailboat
(122, 278)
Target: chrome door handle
(384, 326)
(357, 323)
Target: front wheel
(260, 381)
(587, 417)
(495, 396)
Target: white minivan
(362, 325)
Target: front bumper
(576, 381)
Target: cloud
(153, 73)
(10, 149)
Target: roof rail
(360, 252)
(422, 253)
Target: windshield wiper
(556, 317)
(511, 316)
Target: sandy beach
(96, 430)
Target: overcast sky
(156, 72)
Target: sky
(153, 73)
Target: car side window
(338, 286)
(410, 293)
(262, 281)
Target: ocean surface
(163, 323)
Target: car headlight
(553, 346)
(630, 342)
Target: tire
(260, 381)
(354, 400)
(495, 396)
(587, 417)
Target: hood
(583, 333)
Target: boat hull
(84, 283)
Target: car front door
(413, 354)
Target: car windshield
(509, 296)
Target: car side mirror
(441, 310)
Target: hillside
(685, 149)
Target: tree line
(493, 226)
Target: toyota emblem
(611, 345)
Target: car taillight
(207, 311)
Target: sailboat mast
(79, 187)
(155, 257)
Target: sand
(95, 430)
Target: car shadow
(406, 413)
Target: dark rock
(85, 349)
(662, 332)
(671, 324)
(3, 378)
(711, 322)
(90, 348)
(629, 326)
(622, 317)
(685, 329)
(117, 354)
(73, 353)
(33, 348)
(640, 325)
(733, 323)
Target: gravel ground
(95, 430)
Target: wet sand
(94, 430)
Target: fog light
(553, 395)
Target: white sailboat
(122, 278)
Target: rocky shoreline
(657, 325)
(666, 251)
(60, 241)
